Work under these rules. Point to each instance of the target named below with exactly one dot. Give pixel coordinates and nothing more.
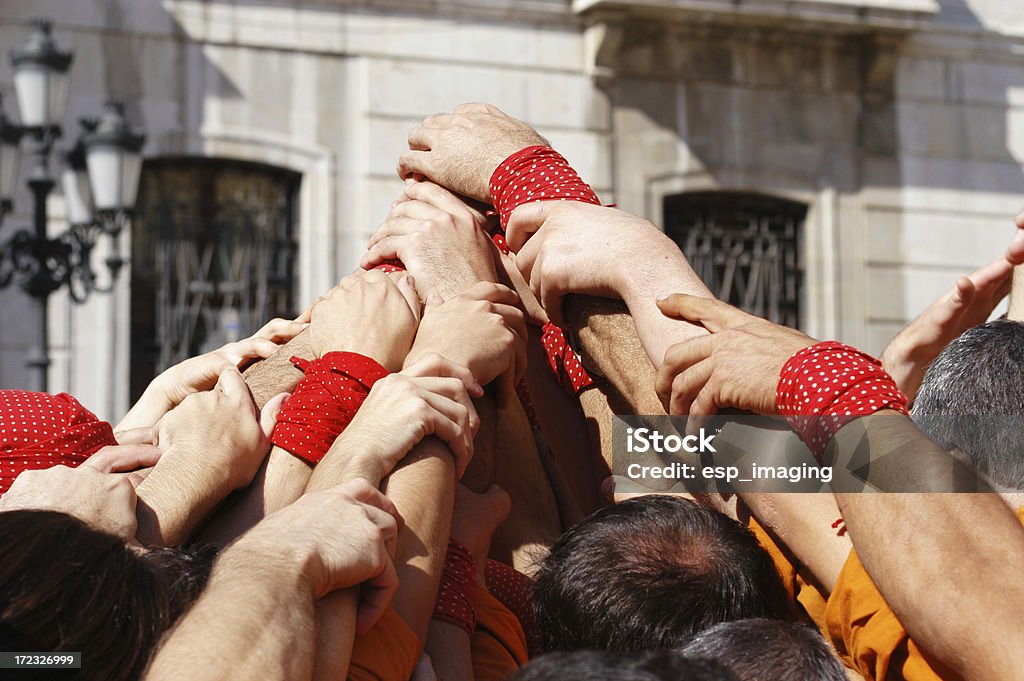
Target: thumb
(270, 412)
(524, 221)
(499, 504)
(433, 300)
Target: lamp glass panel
(77, 195)
(106, 176)
(31, 85)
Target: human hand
(482, 329)
(567, 247)
(335, 538)
(96, 492)
(200, 373)
(428, 398)
(475, 518)
(438, 237)
(370, 314)
(220, 432)
(970, 302)
(737, 365)
(461, 150)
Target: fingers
(456, 423)
(493, 293)
(143, 435)
(678, 359)
(256, 346)
(713, 314)
(270, 412)
(280, 330)
(434, 364)
(437, 196)
(687, 385)
(375, 596)
(407, 287)
(524, 222)
(123, 458)
(231, 382)
(415, 164)
(387, 248)
(1015, 252)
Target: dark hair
(65, 587)
(768, 650)
(602, 665)
(972, 398)
(649, 573)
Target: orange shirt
(867, 634)
(802, 589)
(388, 652)
(391, 650)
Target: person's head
(602, 665)
(768, 650)
(970, 396)
(649, 573)
(66, 587)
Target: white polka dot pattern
(324, 402)
(826, 385)
(39, 430)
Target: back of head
(66, 587)
(768, 650)
(972, 398)
(649, 573)
(601, 665)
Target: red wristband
(826, 385)
(536, 174)
(565, 364)
(456, 598)
(324, 402)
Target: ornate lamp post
(100, 181)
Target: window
(746, 247)
(213, 257)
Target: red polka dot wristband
(456, 597)
(39, 430)
(536, 174)
(564, 362)
(324, 402)
(826, 385)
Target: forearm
(423, 489)
(666, 271)
(450, 651)
(254, 620)
(803, 523)
(175, 498)
(281, 480)
(1016, 309)
(967, 548)
(969, 552)
(277, 374)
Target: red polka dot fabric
(564, 361)
(515, 591)
(39, 430)
(825, 386)
(536, 174)
(456, 597)
(324, 402)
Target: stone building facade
(874, 147)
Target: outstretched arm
(970, 302)
(945, 563)
(255, 618)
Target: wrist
(260, 559)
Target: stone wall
(907, 148)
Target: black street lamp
(100, 181)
